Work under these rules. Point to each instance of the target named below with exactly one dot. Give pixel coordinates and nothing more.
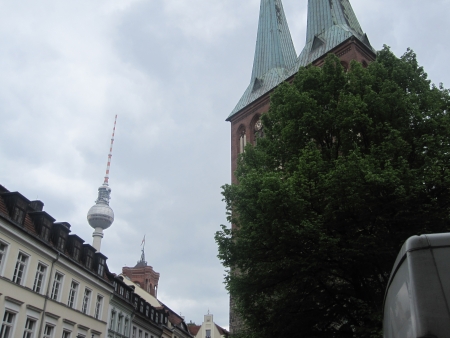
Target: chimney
(37, 205)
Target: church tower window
(242, 141)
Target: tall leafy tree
(352, 163)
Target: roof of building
(222, 331)
(274, 53)
(193, 329)
(330, 23)
(141, 292)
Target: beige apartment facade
(51, 284)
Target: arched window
(242, 139)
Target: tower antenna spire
(108, 165)
(101, 216)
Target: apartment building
(52, 284)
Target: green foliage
(351, 165)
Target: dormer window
(17, 206)
(101, 266)
(45, 232)
(61, 241)
(19, 215)
(76, 251)
(89, 259)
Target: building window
(140, 333)
(73, 294)
(146, 335)
(3, 248)
(66, 334)
(141, 308)
(98, 307)
(101, 267)
(147, 308)
(134, 332)
(153, 314)
(19, 215)
(29, 328)
(7, 325)
(242, 141)
(48, 331)
(112, 320)
(125, 327)
(89, 259)
(86, 299)
(127, 295)
(45, 232)
(61, 243)
(39, 278)
(208, 334)
(119, 324)
(76, 251)
(56, 288)
(121, 290)
(19, 271)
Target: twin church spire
(330, 23)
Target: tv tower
(101, 216)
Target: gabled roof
(330, 22)
(274, 53)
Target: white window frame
(20, 268)
(8, 324)
(86, 301)
(3, 253)
(66, 334)
(126, 323)
(98, 306)
(119, 323)
(112, 320)
(29, 329)
(57, 286)
(73, 293)
(48, 330)
(39, 278)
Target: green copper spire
(274, 53)
(330, 22)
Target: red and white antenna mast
(108, 165)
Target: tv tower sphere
(101, 215)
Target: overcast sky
(172, 70)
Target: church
(332, 27)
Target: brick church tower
(332, 28)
